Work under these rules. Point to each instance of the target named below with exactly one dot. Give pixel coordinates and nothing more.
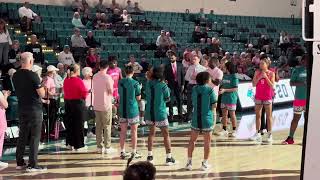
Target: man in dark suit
(174, 75)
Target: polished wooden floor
(231, 159)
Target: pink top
(215, 74)
(115, 74)
(102, 90)
(264, 92)
(50, 85)
(3, 120)
(87, 84)
(256, 60)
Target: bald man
(30, 92)
(35, 48)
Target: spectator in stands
(137, 68)
(35, 48)
(242, 76)
(76, 21)
(144, 64)
(116, 17)
(264, 44)
(196, 35)
(3, 123)
(86, 19)
(97, 21)
(201, 16)
(114, 5)
(102, 91)
(209, 41)
(100, 7)
(84, 3)
(284, 42)
(169, 39)
(129, 7)
(143, 170)
(75, 94)
(14, 55)
(187, 57)
(93, 60)
(26, 15)
(137, 9)
(91, 41)
(283, 60)
(65, 57)
(104, 22)
(213, 46)
(5, 42)
(77, 40)
(29, 92)
(126, 18)
(62, 71)
(205, 61)
(227, 58)
(77, 6)
(256, 59)
(250, 50)
(7, 83)
(197, 52)
(162, 41)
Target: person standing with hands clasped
(263, 80)
(3, 122)
(204, 102)
(229, 98)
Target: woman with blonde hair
(87, 80)
(5, 42)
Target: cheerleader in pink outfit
(3, 122)
(263, 80)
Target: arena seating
(233, 31)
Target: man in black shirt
(36, 49)
(196, 35)
(91, 41)
(30, 93)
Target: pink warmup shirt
(264, 92)
(102, 85)
(50, 85)
(215, 74)
(87, 84)
(115, 74)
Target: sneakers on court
(36, 169)
(99, 150)
(205, 166)
(150, 159)
(124, 155)
(189, 166)
(269, 138)
(224, 133)
(83, 149)
(136, 155)
(142, 123)
(256, 137)
(68, 147)
(110, 150)
(20, 167)
(90, 135)
(232, 134)
(170, 161)
(289, 140)
(3, 164)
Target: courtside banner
(283, 90)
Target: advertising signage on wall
(284, 93)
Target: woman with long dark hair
(5, 42)
(75, 94)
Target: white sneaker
(269, 138)
(99, 150)
(224, 133)
(256, 137)
(91, 135)
(110, 150)
(189, 166)
(69, 147)
(233, 134)
(3, 164)
(83, 149)
(205, 166)
(142, 122)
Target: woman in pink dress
(3, 122)
(87, 81)
(263, 80)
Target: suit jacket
(168, 73)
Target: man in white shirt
(25, 11)
(137, 68)
(65, 57)
(190, 76)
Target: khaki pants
(103, 128)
